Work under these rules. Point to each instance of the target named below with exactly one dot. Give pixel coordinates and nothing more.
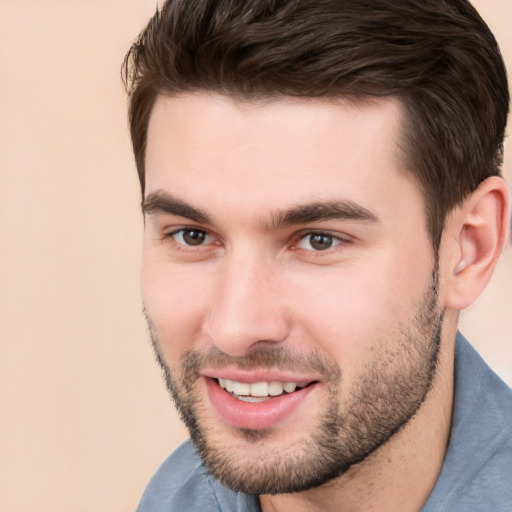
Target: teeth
(241, 388)
(253, 399)
(276, 388)
(289, 387)
(259, 389)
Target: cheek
(173, 301)
(356, 313)
(344, 320)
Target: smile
(257, 405)
(258, 391)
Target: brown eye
(318, 242)
(191, 237)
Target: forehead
(213, 151)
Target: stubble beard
(390, 391)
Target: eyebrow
(322, 210)
(162, 203)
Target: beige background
(84, 419)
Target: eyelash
(333, 240)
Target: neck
(401, 474)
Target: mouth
(261, 404)
(258, 392)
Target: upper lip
(254, 375)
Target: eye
(318, 242)
(191, 236)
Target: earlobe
(478, 231)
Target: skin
(256, 284)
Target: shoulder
(477, 470)
(182, 483)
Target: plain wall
(84, 418)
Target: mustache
(193, 361)
(261, 358)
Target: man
(321, 196)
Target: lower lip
(255, 416)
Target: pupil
(321, 242)
(193, 237)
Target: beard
(354, 423)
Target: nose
(247, 310)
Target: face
(289, 283)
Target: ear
(474, 236)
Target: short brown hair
(438, 57)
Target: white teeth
(226, 384)
(241, 388)
(253, 399)
(289, 387)
(259, 389)
(275, 388)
